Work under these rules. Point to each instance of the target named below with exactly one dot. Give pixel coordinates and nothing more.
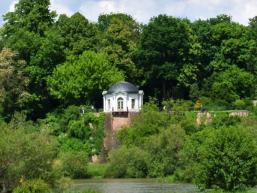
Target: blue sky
(143, 10)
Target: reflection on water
(133, 186)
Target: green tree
(168, 54)
(28, 31)
(130, 162)
(78, 33)
(119, 38)
(83, 79)
(149, 122)
(25, 155)
(231, 84)
(76, 131)
(31, 15)
(223, 43)
(228, 159)
(74, 164)
(13, 83)
(163, 149)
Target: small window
(109, 104)
(120, 103)
(133, 102)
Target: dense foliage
(219, 154)
(69, 60)
(25, 154)
(53, 69)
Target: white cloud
(12, 5)
(60, 7)
(143, 10)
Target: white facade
(121, 99)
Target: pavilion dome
(123, 86)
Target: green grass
(97, 171)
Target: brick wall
(113, 124)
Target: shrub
(188, 123)
(163, 149)
(74, 164)
(189, 156)
(239, 104)
(223, 119)
(29, 155)
(33, 186)
(63, 184)
(76, 131)
(148, 122)
(214, 104)
(97, 170)
(68, 144)
(130, 162)
(224, 158)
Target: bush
(74, 164)
(68, 144)
(163, 150)
(127, 162)
(97, 170)
(25, 154)
(76, 131)
(33, 186)
(227, 159)
(214, 105)
(148, 122)
(188, 123)
(63, 184)
(189, 156)
(223, 119)
(239, 104)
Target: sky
(143, 10)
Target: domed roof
(123, 86)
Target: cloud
(143, 10)
(60, 7)
(12, 5)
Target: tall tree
(168, 54)
(231, 84)
(32, 15)
(13, 84)
(83, 79)
(78, 33)
(224, 43)
(29, 31)
(119, 39)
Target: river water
(133, 186)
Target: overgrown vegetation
(220, 154)
(53, 69)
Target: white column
(104, 105)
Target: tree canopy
(167, 57)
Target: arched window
(120, 103)
(133, 103)
(109, 104)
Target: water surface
(133, 186)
